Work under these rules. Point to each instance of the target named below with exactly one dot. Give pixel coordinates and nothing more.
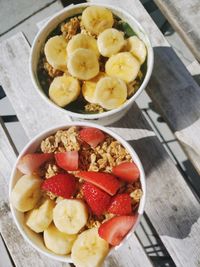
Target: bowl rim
(105, 114)
(46, 133)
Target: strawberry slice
(67, 160)
(127, 171)
(120, 204)
(31, 162)
(105, 181)
(115, 229)
(92, 136)
(97, 199)
(63, 185)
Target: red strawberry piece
(97, 199)
(127, 171)
(92, 136)
(115, 229)
(105, 181)
(63, 185)
(67, 160)
(120, 204)
(31, 162)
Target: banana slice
(88, 87)
(123, 65)
(64, 89)
(89, 250)
(110, 42)
(39, 219)
(55, 52)
(58, 242)
(82, 41)
(26, 193)
(70, 215)
(83, 64)
(96, 19)
(110, 92)
(137, 48)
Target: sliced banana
(26, 193)
(82, 41)
(55, 52)
(89, 250)
(58, 242)
(88, 87)
(110, 42)
(64, 89)
(110, 92)
(137, 48)
(124, 66)
(83, 64)
(40, 218)
(70, 215)
(96, 19)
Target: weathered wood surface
(36, 116)
(171, 87)
(13, 13)
(184, 16)
(171, 206)
(28, 27)
(22, 253)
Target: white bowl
(107, 117)
(36, 240)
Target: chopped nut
(70, 28)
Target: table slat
(22, 253)
(184, 16)
(36, 116)
(171, 206)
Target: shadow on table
(174, 90)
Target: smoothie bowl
(92, 62)
(77, 192)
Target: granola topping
(70, 28)
(102, 158)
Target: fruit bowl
(49, 71)
(22, 195)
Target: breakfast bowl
(76, 187)
(91, 62)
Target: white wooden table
(171, 207)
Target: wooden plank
(22, 253)
(171, 87)
(38, 116)
(18, 11)
(184, 16)
(5, 259)
(171, 206)
(28, 27)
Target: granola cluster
(63, 140)
(51, 71)
(70, 28)
(91, 107)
